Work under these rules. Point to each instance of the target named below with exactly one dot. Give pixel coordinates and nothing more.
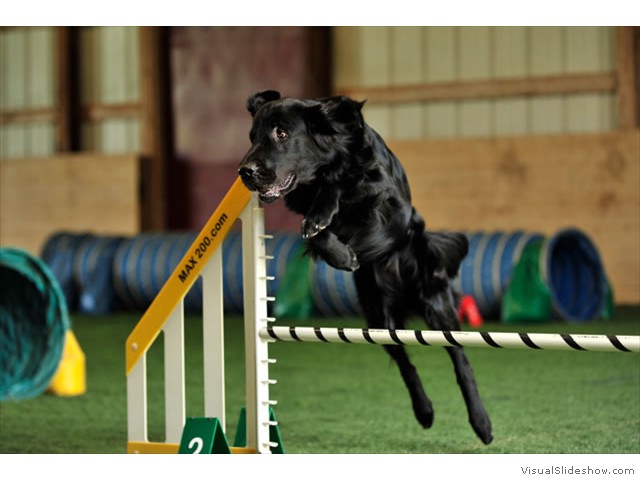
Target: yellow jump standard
(166, 314)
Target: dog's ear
(343, 111)
(334, 115)
(257, 100)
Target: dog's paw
(424, 415)
(481, 425)
(312, 227)
(422, 408)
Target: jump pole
(533, 341)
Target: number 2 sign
(203, 435)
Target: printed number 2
(197, 443)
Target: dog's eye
(279, 133)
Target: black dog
(334, 169)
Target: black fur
(330, 166)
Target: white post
(255, 318)
(213, 338)
(174, 384)
(137, 402)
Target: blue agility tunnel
(143, 263)
(571, 267)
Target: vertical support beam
(67, 136)
(155, 131)
(319, 69)
(627, 65)
(137, 402)
(255, 318)
(213, 338)
(174, 384)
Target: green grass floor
(350, 399)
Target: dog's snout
(247, 171)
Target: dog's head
(292, 140)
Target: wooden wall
(537, 184)
(78, 193)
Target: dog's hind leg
(478, 416)
(378, 315)
(441, 315)
(422, 408)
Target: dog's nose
(247, 171)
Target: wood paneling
(541, 184)
(82, 192)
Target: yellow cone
(71, 378)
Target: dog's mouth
(278, 190)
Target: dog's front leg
(328, 246)
(321, 213)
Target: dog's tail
(445, 251)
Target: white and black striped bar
(535, 341)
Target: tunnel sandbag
(33, 320)
(527, 298)
(571, 267)
(294, 298)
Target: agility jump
(204, 259)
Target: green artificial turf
(350, 399)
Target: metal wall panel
(26, 82)
(439, 52)
(406, 68)
(110, 74)
(392, 56)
